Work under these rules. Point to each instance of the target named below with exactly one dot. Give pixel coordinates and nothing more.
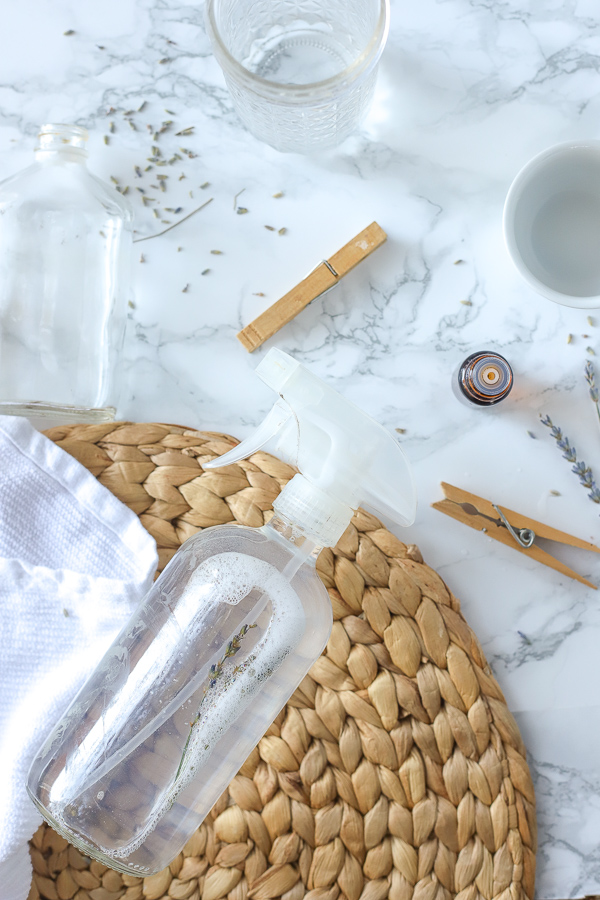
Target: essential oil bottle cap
(485, 378)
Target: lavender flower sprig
(591, 380)
(583, 472)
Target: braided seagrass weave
(395, 770)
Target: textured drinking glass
(65, 248)
(301, 72)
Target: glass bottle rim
(295, 92)
(56, 136)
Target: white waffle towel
(74, 563)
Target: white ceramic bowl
(552, 223)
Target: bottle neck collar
(302, 545)
(67, 140)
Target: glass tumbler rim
(365, 61)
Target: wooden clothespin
(510, 528)
(325, 276)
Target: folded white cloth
(74, 563)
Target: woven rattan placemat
(395, 770)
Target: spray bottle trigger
(273, 422)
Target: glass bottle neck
(64, 141)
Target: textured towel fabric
(74, 563)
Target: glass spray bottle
(220, 643)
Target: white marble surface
(468, 91)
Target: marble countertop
(467, 93)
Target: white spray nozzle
(346, 458)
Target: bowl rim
(521, 179)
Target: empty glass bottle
(65, 254)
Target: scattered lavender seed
(164, 60)
(216, 252)
(205, 271)
(169, 113)
(156, 213)
(125, 190)
(555, 493)
(65, 613)
(591, 351)
(111, 127)
(569, 338)
(524, 637)
(258, 294)
(131, 124)
(241, 210)
(114, 180)
(191, 193)
(163, 186)
(161, 177)
(100, 47)
(181, 177)
(282, 231)
(185, 289)
(205, 185)
(141, 190)
(400, 430)
(591, 321)
(185, 131)
(142, 107)
(106, 139)
(142, 258)
(68, 33)
(585, 335)
(129, 112)
(147, 169)
(466, 303)
(269, 228)
(138, 171)
(166, 221)
(131, 304)
(278, 195)
(102, 233)
(179, 249)
(458, 262)
(178, 209)
(532, 435)
(155, 136)
(155, 150)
